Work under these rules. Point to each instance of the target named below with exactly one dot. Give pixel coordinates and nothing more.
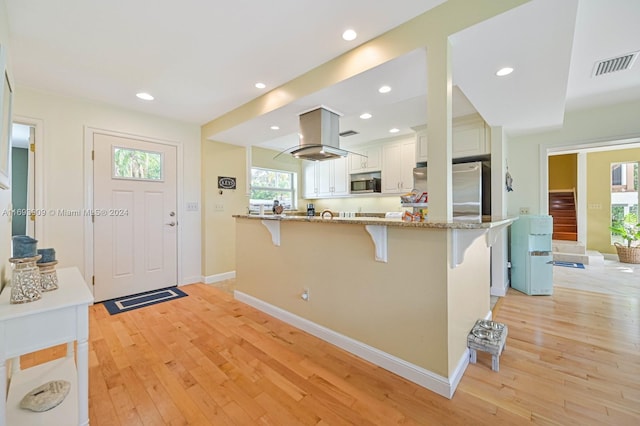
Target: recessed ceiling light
(144, 96)
(394, 130)
(275, 127)
(366, 116)
(384, 89)
(261, 85)
(504, 71)
(349, 35)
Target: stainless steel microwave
(365, 185)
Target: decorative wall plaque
(225, 182)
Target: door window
(137, 164)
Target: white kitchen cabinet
(369, 161)
(421, 143)
(471, 137)
(325, 179)
(310, 179)
(60, 316)
(398, 161)
(340, 176)
(332, 178)
(408, 163)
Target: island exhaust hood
(319, 136)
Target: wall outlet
(524, 210)
(305, 295)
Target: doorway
(563, 181)
(591, 199)
(26, 178)
(134, 215)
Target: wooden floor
(206, 359)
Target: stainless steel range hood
(319, 136)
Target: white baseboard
(500, 290)
(191, 280)
(219, 277)
(441, 385)
(455, 378)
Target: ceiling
(202, 60)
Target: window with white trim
(625, 196)
(268, 185)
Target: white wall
(527, 153)
(62, 151)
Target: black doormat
(135, 301)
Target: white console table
(60, 316)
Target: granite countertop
(487, 222)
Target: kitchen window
(268, 185)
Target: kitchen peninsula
(402, 295)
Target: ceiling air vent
(348, 133)
(620, 63)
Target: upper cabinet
(310, 179)
(398, 161)
(332, 177)
(369, 161)
(421, 143)
(471, 137)
(325, 179)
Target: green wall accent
(19, 175)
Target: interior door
(135, 219)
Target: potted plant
(629, 231)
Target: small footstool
(487, 336)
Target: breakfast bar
(402, 295)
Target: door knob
(172, 223)
(172, 214)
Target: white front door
(135, 236)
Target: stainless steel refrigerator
(471, 188)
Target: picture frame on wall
(6, 98)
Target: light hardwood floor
(206, 359)
(609, 277)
